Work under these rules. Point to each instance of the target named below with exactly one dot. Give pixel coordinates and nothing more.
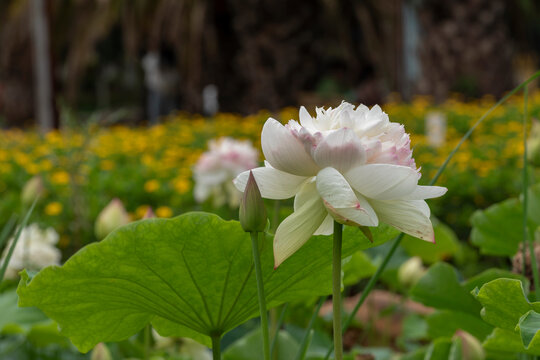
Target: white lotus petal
(383, 181)
(409, 216)
(426, 192)
(296, 229)
(308, 191)
(305, 119)
(284, 151)
(341, 200)
(341, 150)
(422, 206)
(273, 183)
(327, 226)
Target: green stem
(216, 347)
(309, 331)
(526, 238)
(146, 342)
(371, 283)
(336, 290)
(272, 320)
(260, 290)
(274, 345)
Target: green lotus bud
(101, 352)
(32, 189)
(149, 214)
(111, 217)
(411, 271)
(471, 348)
(252, 211)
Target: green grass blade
(479, 121)
(7, 230)
(15, 240)
(526, 238)
(309, 331)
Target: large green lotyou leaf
(441, 289)
(517, 320)
(445, 323)
(357, 267)
(498, 230)
(188, 276)
(456, 308)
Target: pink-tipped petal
(285, 151)
(426, 192)
(341, 150)
(341, 200)
(409, 216)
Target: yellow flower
(60, 177)
(107, 165)
(164, 212)
(181, 185)
(151, 185)
(53, 208)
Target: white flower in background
(348, 164)
(216, 168)
(110, 218)
(191, 348)
(35, 250)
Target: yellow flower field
(83, 169)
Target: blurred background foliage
(267, 54)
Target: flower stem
(146, 341)
(216, 349)
(274, 346)
(336, 290)
(260, 289)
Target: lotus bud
(111, 217)
(411, 271)
(101, 352)
(252, 211)
(471, 348)
(149, 214)
(32, 189)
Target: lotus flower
(346, 164)
(215, 169)
(34, 250)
